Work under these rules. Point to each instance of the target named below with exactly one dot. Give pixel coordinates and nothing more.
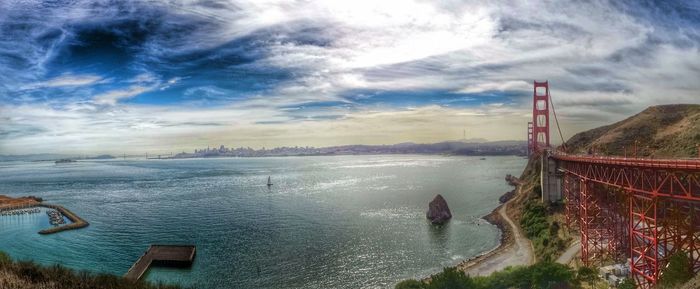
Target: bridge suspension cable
(554, 111)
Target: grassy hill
(660, 131)
(28, 275)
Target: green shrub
(586, 274)
(410, 284)
(4, 258)
(627, 283)
(678, 271)
(543, 275)
(450, 278)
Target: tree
(678, 271)
(586, 274)
(450, 278)
(410, 284)
(627, 283)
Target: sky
(161, 76)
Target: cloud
(100, 66)
(114, 96)
(497, 86)
(67, 80)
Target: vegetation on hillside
(678, 271)
(539, 221)
(542, 229)
(659, 131)
(28, 275)
(542, 275)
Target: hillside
(661, 131)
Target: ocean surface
(327, 222)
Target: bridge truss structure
(636, 209)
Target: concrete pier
(76, 222)
(550, 178)
(161, 255)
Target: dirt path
(518, 252)
(570, 253)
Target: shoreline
(506, 240)
(504, 254)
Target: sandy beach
(514, 249)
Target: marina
(18, 212)
(31, 205)
(76, 221)
(55, 218)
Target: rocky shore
(513, 248)
(506, 240)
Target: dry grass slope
(661, 131)
(28, 275)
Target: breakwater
(76, 221)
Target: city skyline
(128, 77)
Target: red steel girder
(662, 198)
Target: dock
(8, 204)
(161, 255)
(76, 221)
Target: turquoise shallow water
(328, 222)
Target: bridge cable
(563, 144)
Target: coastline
(506, 241)
(513, 249)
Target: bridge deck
(164, 255)
(683, 164)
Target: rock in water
(438, 212)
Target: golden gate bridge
(626, 209)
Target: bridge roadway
(649, 163)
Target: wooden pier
(161, 255)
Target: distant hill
(446, 148)
(660, 131)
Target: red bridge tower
(538, 134)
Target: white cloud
(603, 63)
(114, 96)
(497, 86)
(133, 129)
(67, 80)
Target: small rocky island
(438, 211)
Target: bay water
(326, 222)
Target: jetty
(76, 222)
(161, 255)
(25, 204)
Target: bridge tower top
(540, 117)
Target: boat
(269, 182)
(64, 161)
(482, 159)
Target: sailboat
(269, 182)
